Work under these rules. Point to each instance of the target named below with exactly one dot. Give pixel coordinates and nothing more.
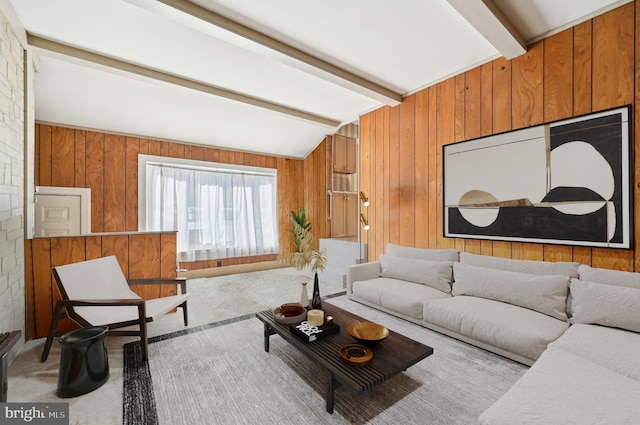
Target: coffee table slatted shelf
(390, 357)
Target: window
(219, 210)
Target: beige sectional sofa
(578, 326)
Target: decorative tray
(356, 355)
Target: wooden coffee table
(390, 357)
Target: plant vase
(316, 301)
(304, 297)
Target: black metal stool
(84, 364)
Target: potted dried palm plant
(307, 253)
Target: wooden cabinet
(345, 200)
(344, 155)
(344, 220)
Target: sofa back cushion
(422, 253)
(606, 297)
(436, 274)
(607, 305)
(546, 294)
(609, 277)
(521, 266)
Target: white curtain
(217, 213)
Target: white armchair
(96, 293)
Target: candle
(315, 317)
(329, 320)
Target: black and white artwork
(566, 182)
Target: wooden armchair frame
(67, 307)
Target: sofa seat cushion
(397, 295)
(564, 388)
(519, 330)
(615, 349)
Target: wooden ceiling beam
(487, 18)
(320, 68)
(64, 49)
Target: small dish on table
(290, 313)
(356, 354)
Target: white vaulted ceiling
(299, 71)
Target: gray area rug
(220, 374)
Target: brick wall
(12, 178)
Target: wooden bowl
(290, 313)
(368, 333)
(356, 355)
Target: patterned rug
(220, 373)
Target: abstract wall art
(566, 182)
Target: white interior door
(57, 215)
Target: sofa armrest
(363, 271)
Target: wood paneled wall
(108, 164)
(317, 178)
(140, 256)
(590, 67)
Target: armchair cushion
(117, 314)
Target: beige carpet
(212, 300)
